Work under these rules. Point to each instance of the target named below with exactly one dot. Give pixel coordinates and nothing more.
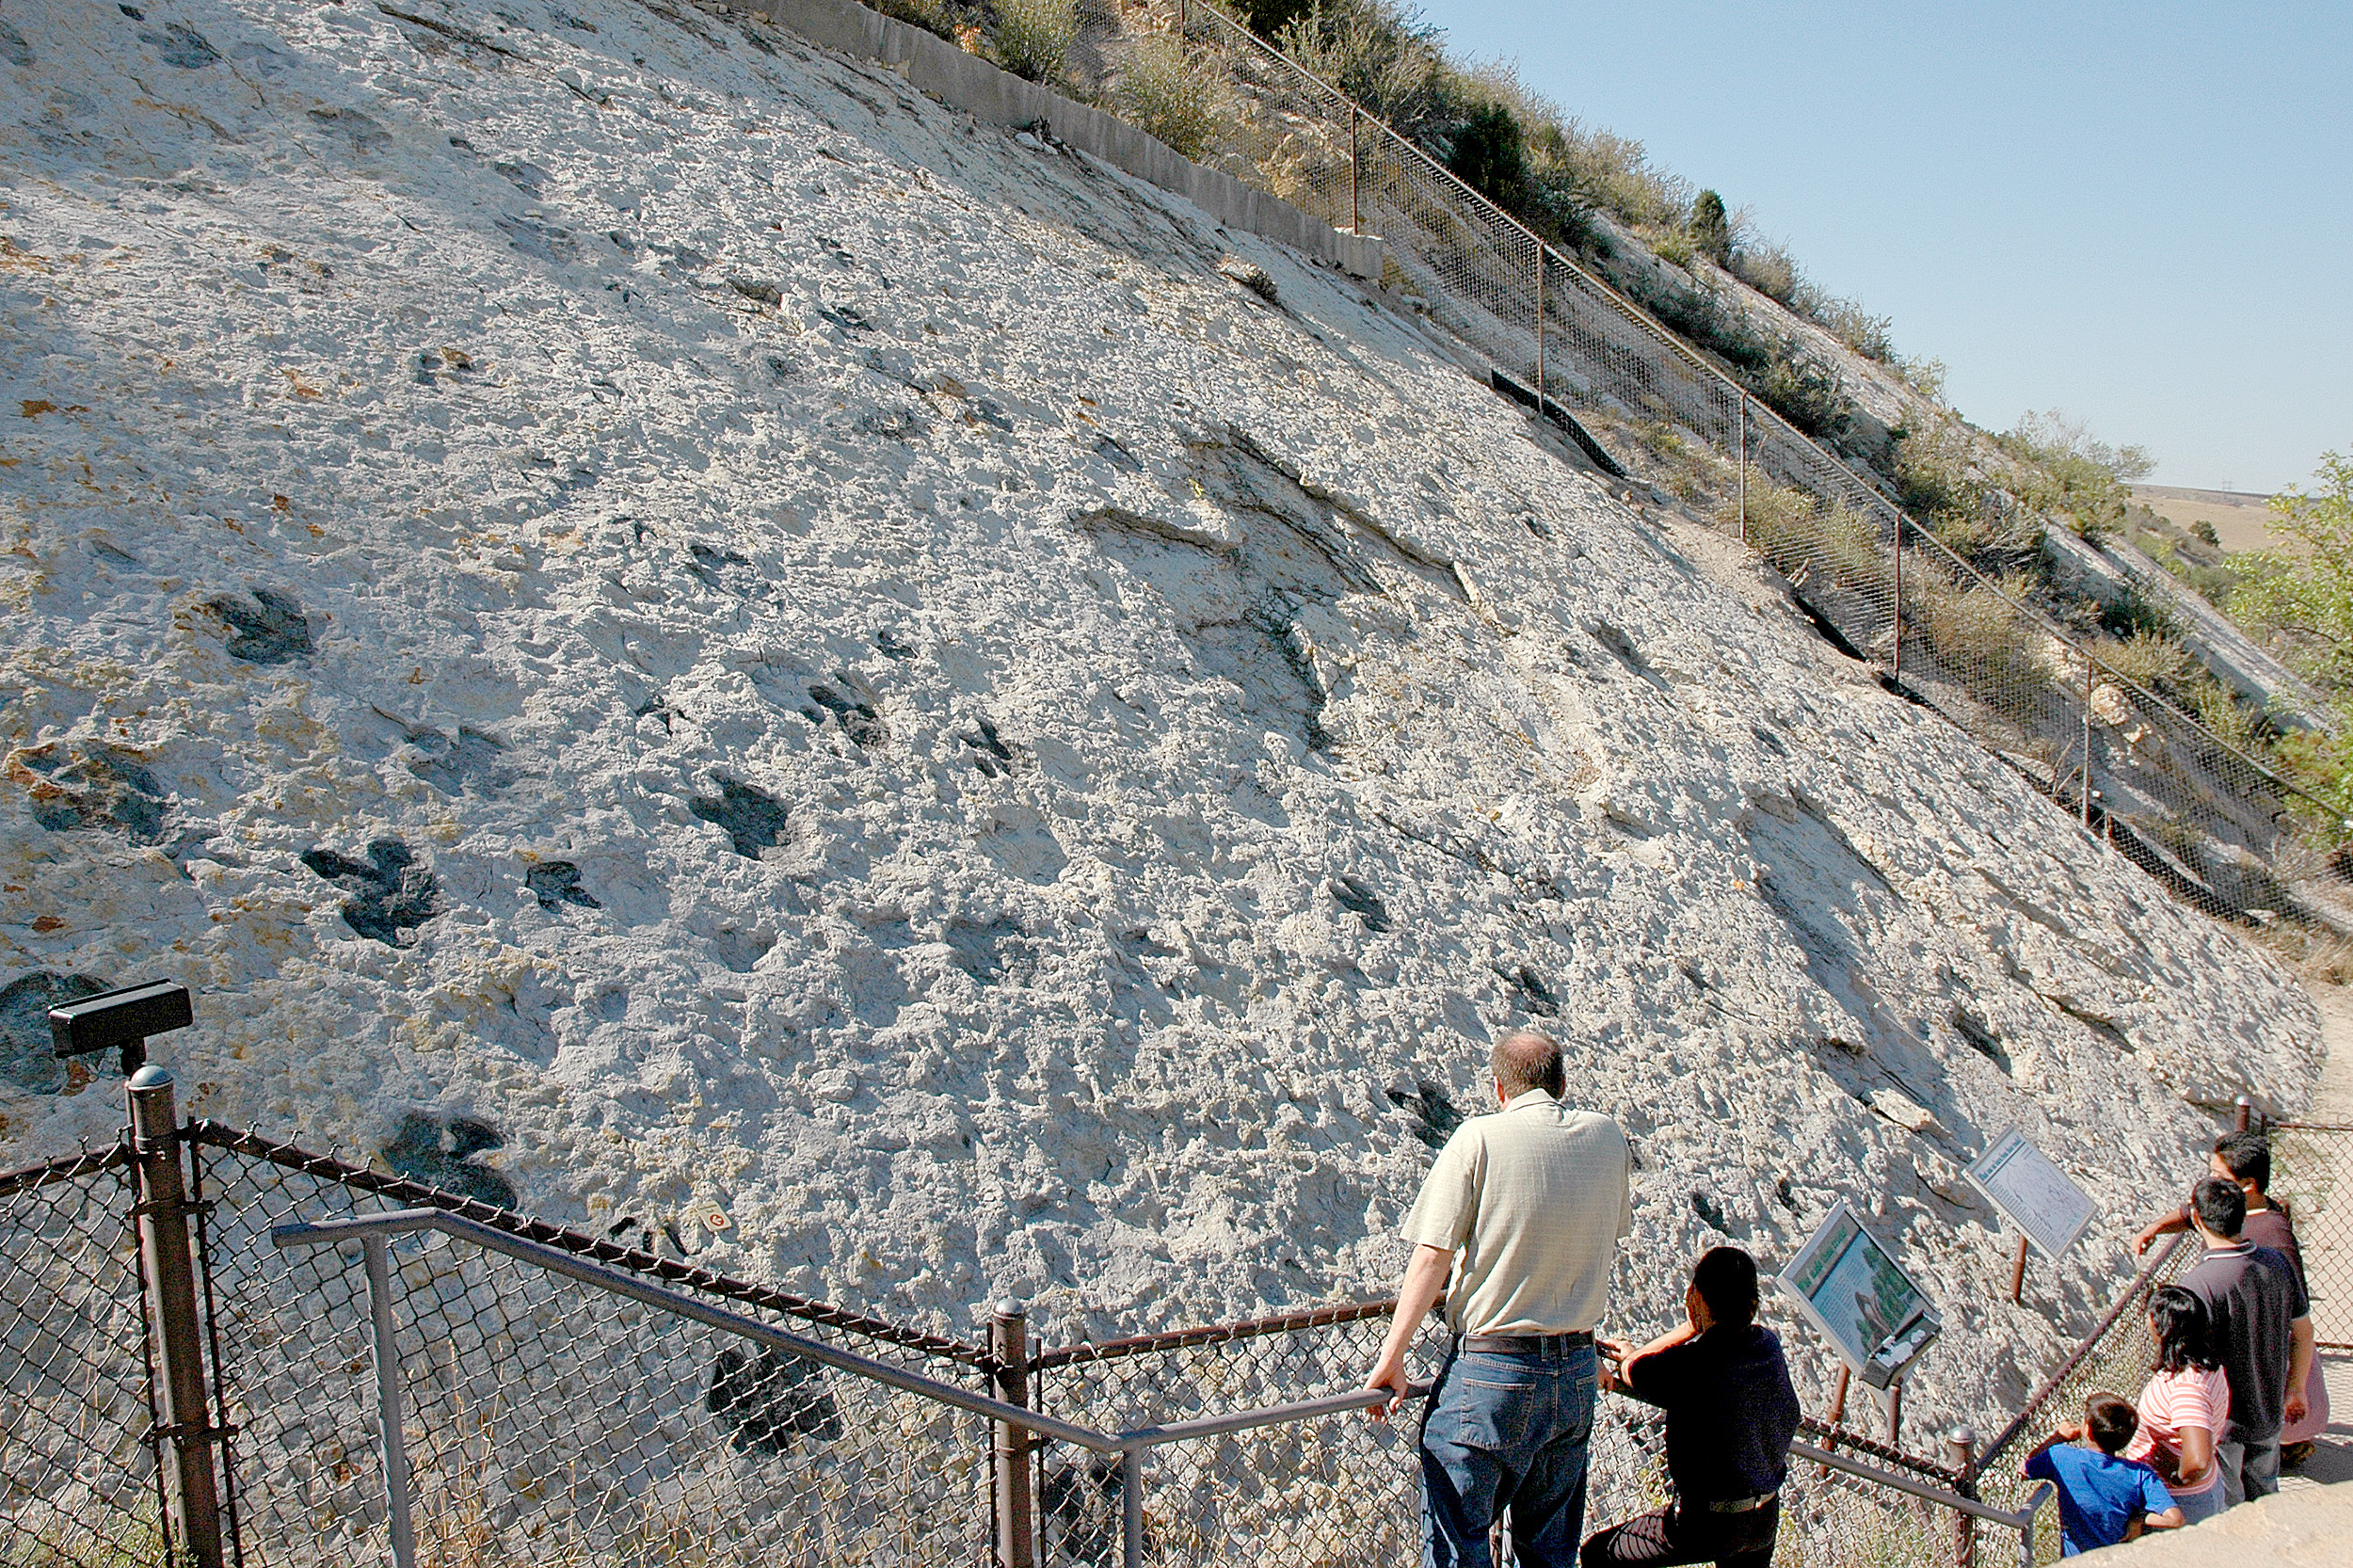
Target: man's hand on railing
(1389, 1376)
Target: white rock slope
(664, 625)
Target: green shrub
(1806, 393)
(2150, 659)
(1923, 376)
(2142, 610)
(1381, 57)
(1710, 230)
(1981, 641)
(1677, 248)
(1801, 537)
(1490, 156)
(1766, 266)
(1033, 37)
(930, 15)
(1858, 328)
(1268, 18)
(1167, 92)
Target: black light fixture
(121, 1018)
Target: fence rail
(364, 1368)
(2187, 804)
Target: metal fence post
(1744, 468)
(394, 1441)
(2089, 675)
(1132, 1507)
(1355, 170)
(163, 1216)
(1961, 1452)
(1009, 1380)
(1899, 597)
(2244, 1114)
(1540, 331)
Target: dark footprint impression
(391, 893)
(105, 788)
(754, 819)
(767, 1399)
(439, 1153)
(556, 884)
(270, 629)
(28, 1054)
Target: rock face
(663, 625)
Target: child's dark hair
(2111, 1422)
(2183, 1330)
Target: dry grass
(1173, 95)
(1033, 37)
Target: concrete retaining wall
(968, 83)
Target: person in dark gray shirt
(2262, 1329)
(1731, 1415)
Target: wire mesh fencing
(79, 1484)
(1345, 1491)
(2311, 1161)
(548, 1421)
(2116, 1357)
(2185, 800)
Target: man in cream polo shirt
(1517, 1223)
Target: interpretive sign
(2032, 1193)
(1853, 1290)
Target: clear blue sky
(2142, 214)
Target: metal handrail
(373, 1231)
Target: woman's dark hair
(1725, 1278)
(2179, 1322)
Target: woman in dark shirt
(1731, 1415)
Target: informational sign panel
(2033, 1194)
(1852, 1290)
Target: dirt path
(2328, 1239)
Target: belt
(1546, 1344)
(1742, 1505)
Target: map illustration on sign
(2032, 1193)
(1855, 1293)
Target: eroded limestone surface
(660, 624)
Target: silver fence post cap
(1004, 1307)
(1964, 1435)
(153, 1076)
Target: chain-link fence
(79, 1484)
(1346, 1491)
(2069, 709)
(2116, 1358)
(559, 1408)
(2311, 1161)
(548, 1421)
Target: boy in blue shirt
(2103, 1499)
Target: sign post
(2050, 1211)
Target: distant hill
(2241, 520)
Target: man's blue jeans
(1507, 1431)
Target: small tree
(2306, 593)
(1490, 156)
(1268, 18)
(1711, 229)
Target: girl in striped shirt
(2185, 1407)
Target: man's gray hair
(1525, 1059)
